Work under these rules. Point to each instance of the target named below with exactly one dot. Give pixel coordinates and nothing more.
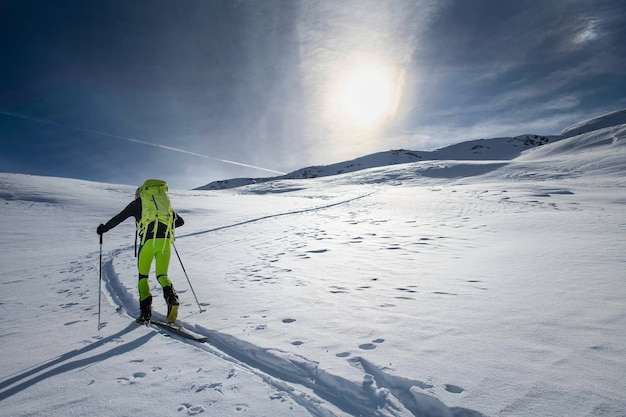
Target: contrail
(143, 142)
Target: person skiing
(155, 221)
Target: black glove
(100, 230)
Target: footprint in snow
(133, 380)
(338, 290)
(317, 251)
(191, 410)
(68, 305)
(241, 407)
(215, 386)
(371, 346)
(454, 389)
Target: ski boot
(172, 303)
(146, 311)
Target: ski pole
(187, 276)
(100, 285)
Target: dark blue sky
(118, 91)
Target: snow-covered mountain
(483, 149)
(467, 284)
(505, 148)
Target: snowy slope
(615, 118)
(505, 148)
(452, 287)
(477, 150)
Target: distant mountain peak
(503, 148)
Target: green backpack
(155, 206)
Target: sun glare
(364, 95)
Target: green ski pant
(159, 250)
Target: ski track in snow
(379, 394)
(542, 344)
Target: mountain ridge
(500, 148)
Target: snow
(495, 149)
(457, 286)
(615, 118)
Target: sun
(365, 95)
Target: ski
(175, 329)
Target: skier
(155, 223)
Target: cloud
(509, 65)
(139, 141)
(334, 37)
(247, 83)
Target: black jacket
(134, 209)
